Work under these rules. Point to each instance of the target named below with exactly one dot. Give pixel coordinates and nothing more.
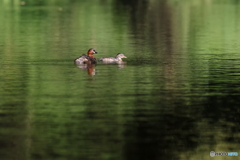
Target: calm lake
(176, 97)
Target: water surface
(177, 96)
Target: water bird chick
(113, 59)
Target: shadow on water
(155, 132)
(171, 131)
(150, 29)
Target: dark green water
(177, 97)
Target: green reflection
(177, 97)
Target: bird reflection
(120, 64)
(89, 67)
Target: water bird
(87, 59)
(118, 58)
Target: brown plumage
(87, 59)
